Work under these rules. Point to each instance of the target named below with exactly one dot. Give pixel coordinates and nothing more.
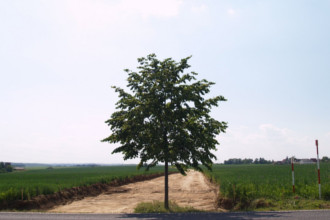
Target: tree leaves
(165, 117)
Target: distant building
(19, 168)
(296, 161)
(307, 161)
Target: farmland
(257, 186)
(243, 184)
(28, 184)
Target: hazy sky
(58, 59)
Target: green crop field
(246, 183)
(27, 184)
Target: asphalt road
(295, 215)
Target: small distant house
(19, 168)
(307, 161)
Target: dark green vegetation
(27, 184)
(248, 161)
(266, 186)
(5, 167)
(325, 159)
(165, 118)
(158, 207)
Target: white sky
(58, 59)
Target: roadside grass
(262, 204)
(294, 204)
(269, 187)
(158, 207)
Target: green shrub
(326, 193)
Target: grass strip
(158, 207)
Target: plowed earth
(192, 190)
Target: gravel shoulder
(191, 190)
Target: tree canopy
(165, 117)
(5, 167)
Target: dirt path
(191, 190)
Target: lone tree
(165, 119)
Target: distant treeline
(248, 161)
(325, 159)
(5, 167)
(261, 160)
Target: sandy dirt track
(191, 190)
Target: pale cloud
(273, 133)
(199, 9)
(231, 11)
(87, 12)
(267, 140)
(152, 8)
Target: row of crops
(28, 184)
(249, 182)
(237, 182)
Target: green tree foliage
(165, 117)
(238, 161)
(247, 161)
(325, 159)
(261, 161)
(5, 167)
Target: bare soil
(45, 202)
(192, 190)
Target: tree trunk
(166, 185)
